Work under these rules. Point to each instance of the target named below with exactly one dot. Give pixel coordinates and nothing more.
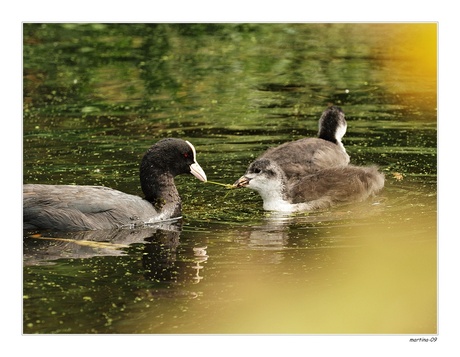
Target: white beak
(195, 168)
(197, 171)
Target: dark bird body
(68, 207)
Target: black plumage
(68, 207)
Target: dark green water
(96, 96)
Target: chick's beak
(198, 172)
(243, 181)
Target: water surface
(96, 96)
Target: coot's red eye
(185, 154)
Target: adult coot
(67, 207)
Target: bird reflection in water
(165, 260)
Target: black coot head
(175, 156)
(332, 124)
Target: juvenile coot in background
(67, 207)
(312, 154)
